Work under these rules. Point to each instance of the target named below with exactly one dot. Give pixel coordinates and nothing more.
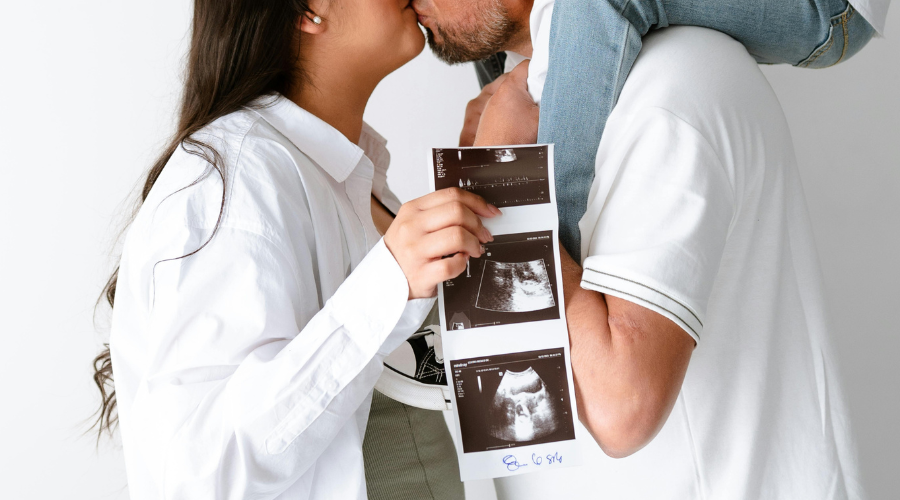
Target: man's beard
(491, 33)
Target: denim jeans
(594, 43)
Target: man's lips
(422, 17)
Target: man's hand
(474, 110)
(504, 111)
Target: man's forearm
(628, 364)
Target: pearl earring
(317, 20)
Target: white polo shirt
(697, 212)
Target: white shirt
(246, 370)
(697, 212)
(874, 11)
(539, 25)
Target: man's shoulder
(701, 76)
(707, 81)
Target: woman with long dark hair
(256, 299)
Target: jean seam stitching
(842, 20)
(845, 19)
(821, 51)
(614, 98)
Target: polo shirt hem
(643, 295)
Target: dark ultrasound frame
(523, 181)
(460, 293)
(472, 404)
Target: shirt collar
(321, 142)
(375, 147)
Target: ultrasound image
(513, 282)
(514, 287)
(505, 155)
(526, 396)
(504, 177)
(522, 409)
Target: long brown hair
(240, 50)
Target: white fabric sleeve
(539, 20)
(240, 405)
(658, 217)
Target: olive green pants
(409, 454)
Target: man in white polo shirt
(697, 323)
(696, 232)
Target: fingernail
(482, 250)
(494, 209)
(486, 235)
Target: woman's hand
(442, 224)
(509, 115)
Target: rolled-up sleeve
(248, 385)
(658, 218)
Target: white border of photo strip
(513, 338)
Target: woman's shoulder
(238, 159)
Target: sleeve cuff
(643, 295)
(410, 321)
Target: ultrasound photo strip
(505, 337)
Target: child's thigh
(779, 31)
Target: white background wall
(87, 93)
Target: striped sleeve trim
(646, 296)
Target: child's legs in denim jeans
(594, 44)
